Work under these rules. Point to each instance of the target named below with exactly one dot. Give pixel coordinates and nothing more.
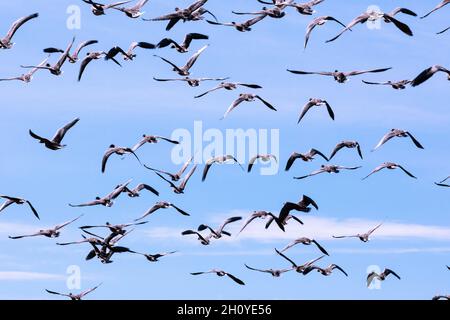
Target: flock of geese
(106, 246)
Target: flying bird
(180, 188)
(307, 157)
(319, 21)
(397, 133)
(135, 192)
(307, 242)
(276, 273)
(74, 296)
(115, 229)
(327, 169)
(192, 82)
(364, 237)
(217, 233)
(390, 166)
(55, 142)
(204, 240)
(303, 205)
(315, 103)
(382, 276)
(114, 51)
(184, 46)
(218, 160)
(247, 97)
(19, 201)
(27, 77)
(397, 85)
(185, 70)
(262, 158)
(326, 271)
(49, 233)
(282, 223)
(274, 12)
(108, 200)
(133, 11)
(348, 145)
(241, 26)
(257, 215)
(150, 140)
(340, 77)
(428, 73)
(173, 176)
(439, 6)
(99, 9)
(162, 205)
(221, 273)
(299, 268)
(6, 41)
(121, 151)
(229, 86)
(154, 257)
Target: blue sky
(117, 105)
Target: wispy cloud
(28, 276)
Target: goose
(327, 169)
(184, 46)
(90, 57)
(184, 70)
(397, 85)
(173, 176)
(121, 151)
(108, 200)
(439, 6)
(340, 77)
(428, 73)
(135, 192)
(274, 12)
(373, 15)
(134, 11)
(137, 44)
(114, 51)
(256, 215)
(217, 234)
(348, 145)
(229, 86)
(73, 58)
(179, 189)
(307, 242)
(248, 97)
(364, 237)
(56, 68)
(192, 82)
(162, 205)
(276, 273)
(326, 271)
(220, 273)
(93, 241)
(72, 296)
(218, 160)
(302, 8)
(6, 41)
(315, 103)
(27, 77)
(441, 297)
(382, 276)
(390, 166)
(154, 257)
(49, 233)
(115, 229)
(398, 133)
(282, 4)
(442, 184)
(307, 157)
(152, 139)
(19, 201)
(282, 223)
(303, 205)
(99, 9)
(299, 268)
(262, 158)
(204, 240)
(55, 142)
(243, 26)
(319, 21)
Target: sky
(117, 105)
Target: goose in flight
(173, 176)
(134, 193)
(397, 85)
(382, 276)
(154, 257)
(114, 51)
(137, 44)
(428, 73)
(307, 242)
(315, 103)
(256, 215)
(442, 183)
(49, 233)
(72, 296)
(319, 21)
(115, 229)
(439, 6)
(307, 157)
(217, 234)
(91, 56)
(397, 133)
(56, 68)
(204, 240)
(19, 201)
(371, 16)
(248, 97)
(151, 139)
(276, 273)
(390, 166)
(180, 188)
(185, 70)
(6, 41)
(99, 9)
(326, 271)
(133, 11)
(162, 205)
(193, 82)
(364, 237)
(73, 58)
(121, 151)
(96, 240)
(303, 206)
(27, 77)
(348, 145)
(299, 268)
(282, 223)
(340, 77)
(229, 86)
(218, 160)
(262, 158)
(108, 200)
(240, 26)
(274, 12)
(327, 169)
(184, 46)
(55, 142)
(302, 8)
(220, 273)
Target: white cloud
(28, 276)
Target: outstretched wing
(59, 135)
